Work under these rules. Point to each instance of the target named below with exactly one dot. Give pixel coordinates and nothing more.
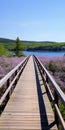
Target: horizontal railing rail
(10, 80)
(58, 94)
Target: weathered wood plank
(22, 111)
(45, 109)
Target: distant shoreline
(48, 50)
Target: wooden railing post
(47, 83)
(8, 95)
(55, 112)
(15, 75)
(46, 78)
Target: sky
(33, 20)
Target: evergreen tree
(18, 47)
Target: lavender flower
(7, 64)
(56, 66)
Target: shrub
(4, 51)
(52, 67)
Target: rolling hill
(33, 45)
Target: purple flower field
(7, 64)
(56, 67)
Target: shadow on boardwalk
(43, 114)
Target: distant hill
(5, 40)
(33, 45)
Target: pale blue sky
(36, 20)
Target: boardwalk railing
(55, 97)
(7, 84)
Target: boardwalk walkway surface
(23, 110)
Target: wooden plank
(22, 110)
(47, 114)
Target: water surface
(44, 53)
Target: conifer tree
(17, 46)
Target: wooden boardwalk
(24, 111)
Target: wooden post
(8, 95)
(56, 101)
(15, 75)
(46, 85)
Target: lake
(45, 53)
